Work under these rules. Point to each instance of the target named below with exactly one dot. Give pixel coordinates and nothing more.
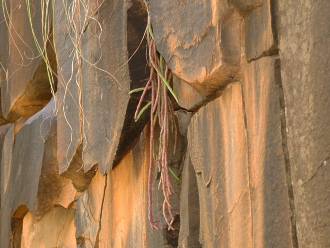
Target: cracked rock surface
(249, 150)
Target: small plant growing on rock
(161, 115)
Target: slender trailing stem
(161, 115)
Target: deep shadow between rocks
(139, 72)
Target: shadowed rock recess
(250, 147)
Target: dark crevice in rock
(317, 170)
(76, 174)
(248, 163)
(139, 72)
(172, 236)
(274, 51)
(190, 224)
(17, 226)
(101, 213)
(81, 242)
(38, 91)
(212, 96)
(274, 22)
(244, 8)
(285, 148)
(178, 108)
(177, 158)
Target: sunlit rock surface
(249, 151)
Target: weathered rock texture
(204, 51)
(27, 88)
(95, 109)
(305, 81)
(251, 143)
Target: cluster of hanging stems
(161, 115)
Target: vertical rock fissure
(101, 212)
(16, 234)
(139, 72)
(284, 138)
(285, 148)
(248, 163)
(274, 12)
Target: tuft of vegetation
(161, 115)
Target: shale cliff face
(252, 141)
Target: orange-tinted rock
(271, 211)
(201, 46)
(124, 219)
(29, 171)
(54, 229)
(88, 212)
(241, 171)
(252, 79)
(221, 166)
(189, 98)
(112, 212)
